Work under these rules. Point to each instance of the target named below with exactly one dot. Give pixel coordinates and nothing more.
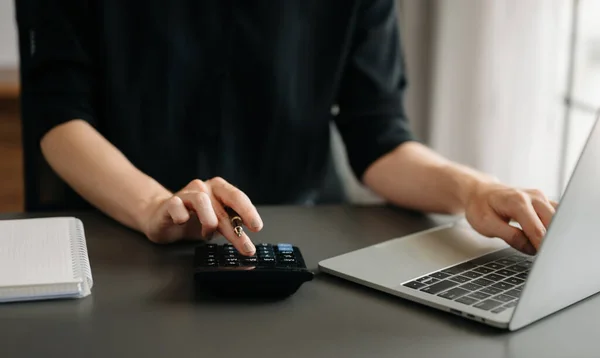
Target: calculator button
(267, 262)
(211, 247)
(285, 247)
(251, 261)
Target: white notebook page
(35, 251)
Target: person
(164, 114)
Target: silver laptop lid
(567, 267)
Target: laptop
(454, 269)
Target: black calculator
(275, 270)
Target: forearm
(100, 173)
(415, 177)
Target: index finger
(521, 210)
(242, 243)
(236, 199)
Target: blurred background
(509, 87)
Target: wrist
(468, 183)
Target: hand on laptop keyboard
(491, 206)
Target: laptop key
(499, 309)
(465, 266)
(470, 286)
(522, 275)
(492, 256)
(494, 277)
(511, 304)
(467, 300)
(453, 293)
(472, 274)
(503, 285)
(439, 287)
(483, 282)
(454, 270)
(479, 296)
(427, 280)
(503, 298)
(483, 270)
(518, 267)
(439, 275)
(488, 305)
(517, 258)
(491, 290)
(414, 284)
(514, 280)
(506, 262)
(494, 265)
(514, 292)
(505, 272)
(460, 279)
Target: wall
(8, 41)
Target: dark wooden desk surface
(9, 82)
(143, 305)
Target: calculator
(275, 270)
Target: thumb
(494, 226)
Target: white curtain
(486, 82)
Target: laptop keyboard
(491, 283)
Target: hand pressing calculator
(276, 270)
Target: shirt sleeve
(371, 118)
(56, 63)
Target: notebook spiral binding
(81, 263)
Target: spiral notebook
(43, 258)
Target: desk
(142, 305)
(9, 83)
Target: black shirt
(239, 89)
